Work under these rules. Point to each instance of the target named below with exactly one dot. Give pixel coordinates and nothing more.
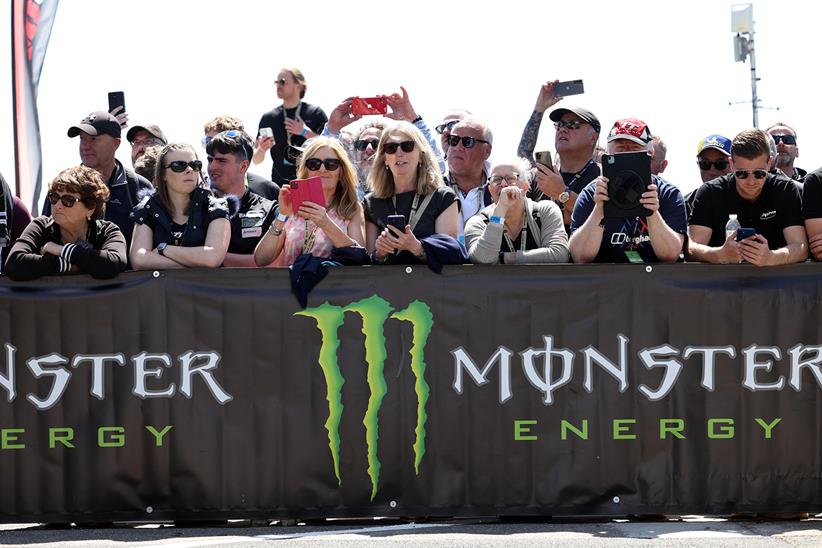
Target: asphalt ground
(680, 532)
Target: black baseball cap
(97, 123)
(584, 115)
(151, 129)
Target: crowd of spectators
(396, 192)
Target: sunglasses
(570, 124)
(314, 164)
(446, 126)
(179, 166)
(406, 146)
(362, 144)
(787, 139)
(467, 142)
(280, 81)
(705, 165)
(66, 199)
(498, 179)
(757, 173)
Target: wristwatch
(564, 197)
(161, 248)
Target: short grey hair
(521, 166)
(476, 123)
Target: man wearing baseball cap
(142, 137)
(658, 237)
(99, 139)
(713, 156)
(576, 136)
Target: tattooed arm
(545, 100)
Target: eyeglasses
(362, 144)
(705, 165)
(179, 166)
(570, 124)
(467, 142)
(446, 126)
(757, 173)
(280, 81)
(314, 164)
(787, 139)
(66, 199)
(406, 146)
(147, 142)
(498, 179)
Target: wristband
(280, 217)
(496, 219)
(304, 132)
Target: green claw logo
(374, 311)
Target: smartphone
(116, 99)
(744, 233)
(629, 175)
(266, 132)
(369, 105)
(397, 221)
(307, 190)
(544, 157)
(571, 87)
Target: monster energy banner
(552, 390)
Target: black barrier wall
(566, 389)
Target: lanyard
(523, 235)
(412, 218)
(310, 237)
(578, 174)
(298, 116)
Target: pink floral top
(296, 236)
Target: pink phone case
(307, 190)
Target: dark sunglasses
(787, 139)
(705, 165)
(280, 81)
(66, 199)
(570, 124)
(406, 146)
(179, 166)
(447, 125)
(757, 173)
(314, 164)
(362, 144)
(467, 142)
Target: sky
(181, 62)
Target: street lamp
(742, 23)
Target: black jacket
(102, 254)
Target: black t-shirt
(263, 187)
(250, 223)
(377, 210)
(778, 206)
(283, 171)
(812, 195)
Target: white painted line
(362, 530)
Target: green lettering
(565, 426)
(725, 433)
(521, 428)
(63, 435)
(768, 427)
(117, 437)
(329, 318)
(419, 315)
(671, 426)
(8, 436)
(158, 436)
(621, 426)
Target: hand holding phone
(745, 233)
(117, 107)
(544, 157)
(266, 132)
(397, 221)
(306, 190)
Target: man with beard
(786, 151)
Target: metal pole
(754, 99)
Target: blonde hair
(299, 78)
(429, 177)
(345, 200)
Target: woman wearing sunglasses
(515, 229)
(406, 180)
(182, 224)
(74, 238)
(314, 228)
